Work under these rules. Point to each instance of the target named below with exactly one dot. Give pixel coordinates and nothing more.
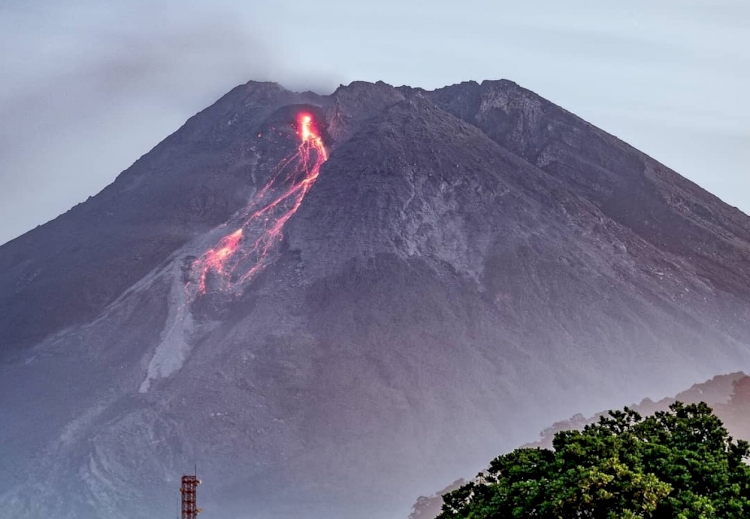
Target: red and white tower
(189, 490)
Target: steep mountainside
(334, 331)
(626, 185)
(67, 271)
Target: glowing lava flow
(238, 257)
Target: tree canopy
(680, 463)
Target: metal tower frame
(189, 490)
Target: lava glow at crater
(239, 256)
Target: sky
(87, 87)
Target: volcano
(334, 304)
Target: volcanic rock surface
(472, 264)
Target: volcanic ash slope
(471, 264)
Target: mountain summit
(333, 304)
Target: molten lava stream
(239, 256)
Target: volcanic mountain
(334, 304)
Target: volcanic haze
(466, 266)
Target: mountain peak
(313, 295)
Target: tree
(680, 464)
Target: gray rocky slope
(471, 264)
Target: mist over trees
(679, 463)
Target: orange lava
(238, 257)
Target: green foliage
(679, 464)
